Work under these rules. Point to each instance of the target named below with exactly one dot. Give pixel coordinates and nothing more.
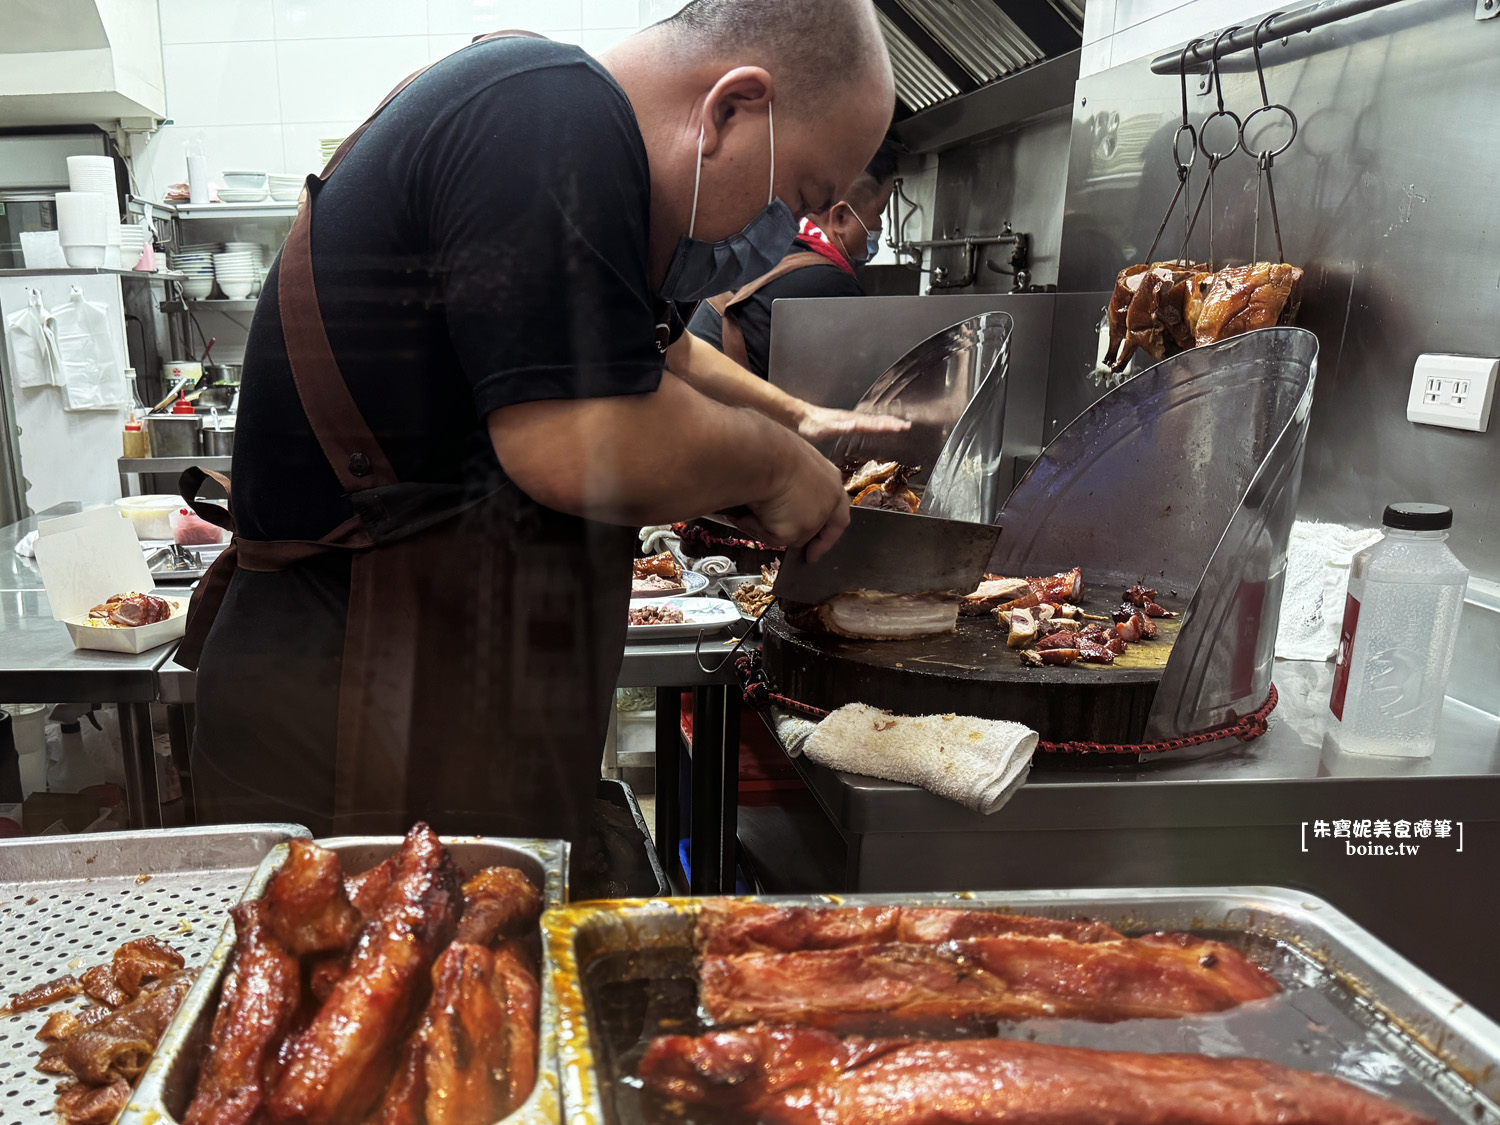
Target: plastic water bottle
(1400, 627)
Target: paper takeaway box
(86, 558)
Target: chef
(821, 263)
(454, 413)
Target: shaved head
(816, 48)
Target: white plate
(693, 584)
(703, 615)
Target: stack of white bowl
(236, 273)
(83, 223)
(258, 256)
(132, 245)
(198, 263)
(285, 189)
(96, 175)
(243, 187)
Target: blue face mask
(872, 237)
(700, 270)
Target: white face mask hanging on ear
(700, 270)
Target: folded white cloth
(979, 763)
(714, 566)
(25, 547)
(1317, 577)
(658, 538)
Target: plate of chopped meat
(130, 622)
(679, 617)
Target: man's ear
(745, 89)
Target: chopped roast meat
(1139, 595)
(121, 1046)
(802, 1076)
(131, 610)
(1064, 587)
(900, 499)
(1116, 645)
(874, 616)
(1129, 631)
(1146, 626)
(870, 473)
(992, 593)
(663, 565)
(1092, 652)
(335, 1068)
(45, 993)
(92, 1105)
(144, 959)
(499, 903)
(656, 615)
(99, 982)
(1062, 638)
(655, 586)
(1023, 628)
(256, 1006)
(1127, 285)
(729, 926)
(1057, 656)
(1244, 298)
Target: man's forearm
(711, 372)
(641, 459)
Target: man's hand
(809, 507)
(818, 423)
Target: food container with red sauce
(191, 530)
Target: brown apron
(483, 635)
(725, 303)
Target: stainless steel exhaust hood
(942, 49)
(80, 62)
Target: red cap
(182, 405)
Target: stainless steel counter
(38, 664)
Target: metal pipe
(946, 243)
(1290, 23)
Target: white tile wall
(261, 82)
(1117, 31)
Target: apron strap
(725, 303)
(190, 483)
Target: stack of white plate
(199, 267)
(285, 189)
(243, 187)
(236, 274)
(258, 255)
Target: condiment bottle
(182, 405)
(137, 443)
(1400, 628)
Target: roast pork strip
(258, 1000)
(726, 926)
(337, 1068)
(307, 907)
(994, 978)
(799, 1076)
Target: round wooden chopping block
(970, 672)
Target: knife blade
(892, 552)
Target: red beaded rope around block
(759, 694)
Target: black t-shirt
(754, 316)
(484, 244)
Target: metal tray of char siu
(1349, 1005)
(167, 1086)
(68, 902)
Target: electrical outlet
(1453, 390)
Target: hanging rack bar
(1294, 22)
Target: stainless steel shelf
(137, 465)
(160, 275)
(223, 305)
(271, 209)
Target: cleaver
(892, 552)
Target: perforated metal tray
(1351, 1005)
(166, 1088)
(68, 902)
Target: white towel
(714, 566)
(979, 763)
(1317, 577)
